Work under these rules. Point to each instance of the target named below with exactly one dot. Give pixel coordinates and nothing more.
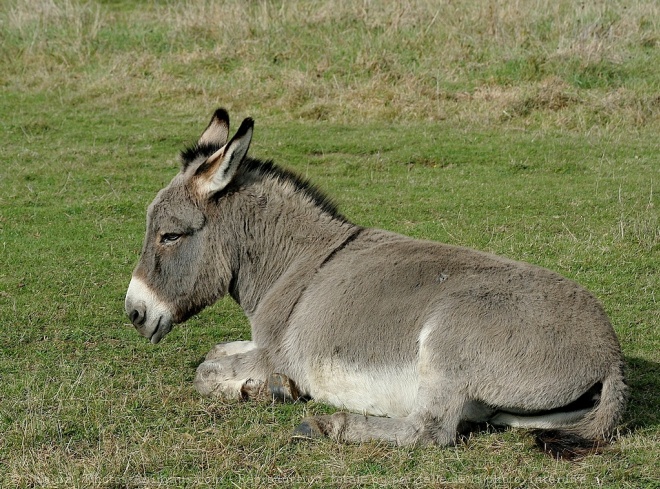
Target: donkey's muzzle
(150, 315)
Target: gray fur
(415, 336)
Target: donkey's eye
(169, 238)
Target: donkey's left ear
(217, 131)
(220, 168)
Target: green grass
(529, 132)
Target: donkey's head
(180, 271)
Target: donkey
(414, 338)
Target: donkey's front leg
(243, 376)
(232, 376)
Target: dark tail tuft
(564, 445)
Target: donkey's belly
(389, 391)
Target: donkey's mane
(267, 169)
(190, 154)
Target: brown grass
(569, 65)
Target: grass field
(519, 128)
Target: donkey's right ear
(219, 169)
(217, 132)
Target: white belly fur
(544, 421)
(385, 392)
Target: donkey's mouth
(162, 328)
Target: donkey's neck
(283, 234)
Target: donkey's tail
(598, 425)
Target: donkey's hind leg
(440, 407)
(348, 427)
(434, 426)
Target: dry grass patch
(485, 63)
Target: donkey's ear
(217, 131)
(221, 166)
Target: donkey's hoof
(307, 430)
(282, 388)
(252, 389)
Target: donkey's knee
(440, 409)
(440, 424)
(440, 432)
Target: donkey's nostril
(138, 315)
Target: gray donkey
(417, 338)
